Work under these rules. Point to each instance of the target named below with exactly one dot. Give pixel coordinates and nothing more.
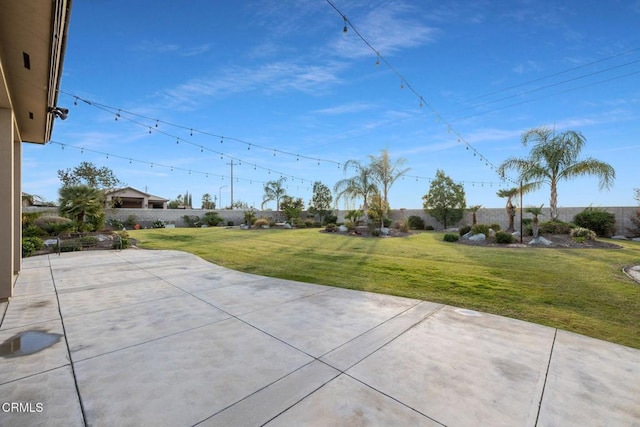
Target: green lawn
(580, 290)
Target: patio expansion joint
(66, 341)
(546, 375)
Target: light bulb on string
(117, 115)
(377, 58)
(149, 130)
(177, 140)
(401, 84)
(344, 30)
(156, 123)
(221, 139)
(421, 102)
(75, 101)
(191, 132)
(201, 149)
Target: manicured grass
(580, 290)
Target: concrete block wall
(146, 217)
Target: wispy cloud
(389, 28)
(158, 47)
(268, 78)
(353, 107)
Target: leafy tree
(291, 206)
(554, 158)
(360, 186)
(378, 209)
(274, 191)
(321, 200)
(176, 203)
(535, 211)
(80, 202)
(86, 173)
(239, 204)
(386, 173)
(445, 200)
(207, 202)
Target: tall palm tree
(80, 201)
(554, 158)
(274, 190)
(360, 186)
(474, 210)
(386, 172)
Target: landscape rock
(343, 229)
(540, 241)
(477, 237)
(516, 234)
(286, 225)
(636, 239)
(492, 232)
(50, 242)
(467, 235)
(619, 237)
(384, 231)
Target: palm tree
(554, 158)
(361, 185)
(535, 211)
(274, 190)
(509, 194)
(385, 172)
(207, 203)
(474, 209)
(80, 201)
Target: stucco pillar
(17, 206)
(8, 187)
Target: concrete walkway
(163, 338)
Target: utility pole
(231, 205)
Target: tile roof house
(129, 197)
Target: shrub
(387, 222)
(480, 229)
(416, 222)
(29, 218)
(212, 219)
(158, 223)
(429, 227)
(554, 227)
(33, 231)
(131, 221)
(329, 219)
(308, 223)
(124, 242)
(402, 226)
(30, 245)
(331, 227)
(55, 225)
(464, 230)
(450, 237)
(261, 223)
(317, 224)
(230, 223)
(376, 232)
(495, 227)
(504, 238)
(600, 221)
(115, 223)
(88, 240)
(580, 234)
(192, 220)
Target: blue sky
(278, 77)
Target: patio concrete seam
(124, 305)
(546, 375)
(272, 383)
(404, 331)
(66, 341)
(152, 340)
(396, 400)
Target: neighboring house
(33, 36)
(129, 197)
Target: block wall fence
(145, 217)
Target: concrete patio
(163, 338)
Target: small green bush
(131, 221)
(581, 234)
(402, 226)
(495, 227)
(603, 223)
(124, 242)
(212, 219)
(29, 218)
(464, 230)
(429, 227)
(261, 222)
(317, 224)
(504, 238)
(331, 228)
(480, 229)
(158, 223)
(308, 223)
(450, 237)
(88, 240)
(33, 231)
(115, 223)
(55, 225)
(416, 223)
(554, 227)
(329, 219)
(30, 245)
(376, 232)
(192, 220)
